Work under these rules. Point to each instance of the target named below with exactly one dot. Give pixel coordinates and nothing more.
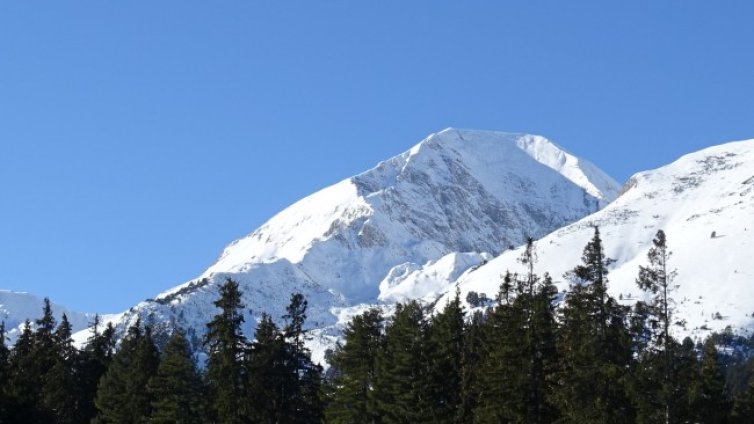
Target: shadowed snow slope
(456, 191)
(704, 202)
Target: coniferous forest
(531, 355)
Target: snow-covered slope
(386, 233)
(704, 202)
(17, 307)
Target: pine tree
(743, 409)
(685, 370)
(594, 345)
(93, 361)
(4, 371)
(499, 380)
(400, 384)
(22, 389)
(122, 396)
(32, 359)
(543, 359)
(45, 353)
(177, 395)
(537, 353)
(303, 400)
(657, 280)
(445, 363)
(59, 394)
(354, 368)
(472, 357)
(710, 399)
(226, 343)
(268, 376)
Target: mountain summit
(475, 193)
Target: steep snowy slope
(704, 202)
(364, 238)
(17, 307)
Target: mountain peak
(496, 143)
(381, 234)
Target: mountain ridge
(455, 191)
(704, 202)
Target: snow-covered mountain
(17, 307)
(450, 203)
(704, 202)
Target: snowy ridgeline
(17, 307)
(452, 210)
(704, 202)
(407, 228)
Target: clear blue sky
(138, 138)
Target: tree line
(531, 355)
(272, 379)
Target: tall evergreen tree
(32, 359)
(498, 379)
(657, 280)
(543, 355)
(23, 385)
(354, 368)
(45, 353)
(595, 346)
(93, 361)
(122, 396)
(743, 409)
(4, 370)
(400, 383)
(685, 369)
(59, 393)
(303, 402)
(710, 398)
(225, 344)
(268, 376)
(445, 362)
(472, 357)
(176, 389)
(521, 349)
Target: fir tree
(177, 395)
(225, 343)
(499, 380)
(521, 354)
(657, 280)
(685, 368)
(743, 409)
(4, 370)
(710, 399)
(122, 396)
(32, 359)
(44, 353)
(23, 385)
(354, 368)
(445, 362)
(472, 357)
(93, 361)
(302, 401)
(268, 376)
(595, 346)
(543, 359)
(60, 396)
(400, 387)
